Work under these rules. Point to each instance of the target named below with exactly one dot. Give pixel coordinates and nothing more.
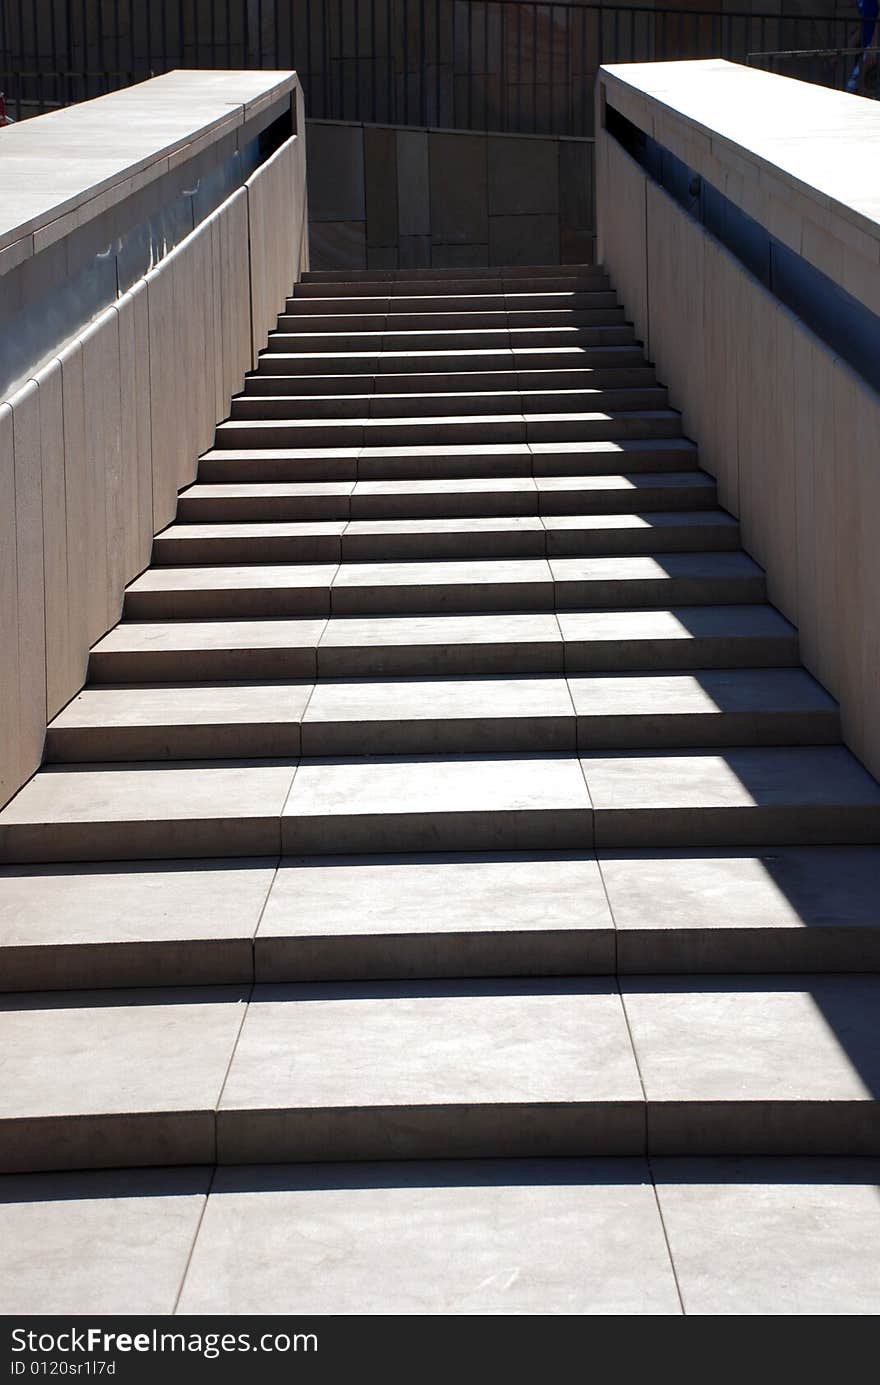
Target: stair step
(474, 428)
(389, 1069)
(447, 498)
(443, 585)
(601, 310)
(513, 642)
(508, 300)
(424, 716)
(157, 652)
(436, 339)
(446, 360)
(786, 795)
(683, 637)
(331, 467)
(503, 536)
(548, 801)
(366, 407)
(427, 382)
(439, 280)
(328, 918)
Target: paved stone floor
(570, 1236)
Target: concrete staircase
(449, 787)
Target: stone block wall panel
(460, 198)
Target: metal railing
(856, 70)
(509, 65)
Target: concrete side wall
(387, 198)
(95, 447)
(790, 432)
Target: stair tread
(124, 922)
(706, 693)
(689, 1058)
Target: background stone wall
(386, 198)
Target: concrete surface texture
(787, 427)
(446, 841)
(95, 445)
(384, 198)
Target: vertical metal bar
(423, 76)
(534, 67)
(53, 44)
(437, 53)
(502, 32)
(389, 66)
(374, 62)
(519, 67)
(469, 68)
(356, 19)
(486, 64)
(324, 66)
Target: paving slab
(293, 541)
(180, 721)
(388, 499)
(711, 707)
(760, 910)
(93, 1079)
(661, 531)
(432, 803)
(506, 536)
(108, 1242)
(670, 579)
(166, 651)
(119, 812)
(332, 917)
(492, 584)
(510, 641)
(165, 593)
(770, 1065)
(786, 795)
(130, 923)
(773, 1237)
(430, 716)
(682, 637)
(252, 500)
(402, 1069)
(346, 1239)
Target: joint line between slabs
(666, 1235)
(201, 1218)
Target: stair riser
(363, 407)
(633, 377)
(229, 465)
(409, 432)
(210, 603)
(488, 504)
(498, 543)
(379, 661)
(446, 360)
(454, 285)
(454, 339)
(593, 952)
(427, 303)
(604, 313)
(483, 735)
(511, 1130)
(525, 829)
